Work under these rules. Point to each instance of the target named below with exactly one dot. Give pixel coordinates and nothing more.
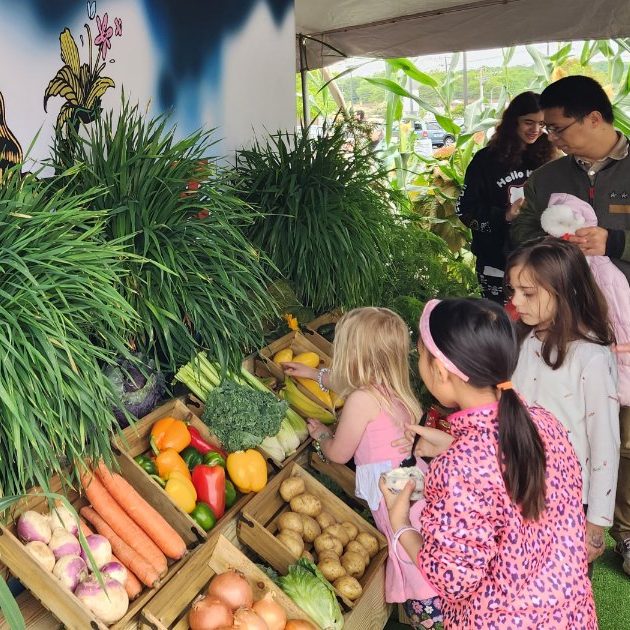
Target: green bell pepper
(230, 494)
(147, 464)
(192, 457)
(204, 516)
(212, 458)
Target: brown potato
(306, 503)
(310, 528)
(353, 563)
(308, 555)
(291, 487)
(327, 541)
(331, 569)
(338, 531)
(357, 547)
(325, 519)
(351, 529)
(369, 542)
(292, 521)
(324, 554)
(292, 541)
(349, 587)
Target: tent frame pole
(304, 76)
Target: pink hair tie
(429, 344)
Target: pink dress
(493, 569)
(375, 455)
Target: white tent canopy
(334, 29)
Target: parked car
(423, 144)
(437, 135)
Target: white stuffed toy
(560, 220)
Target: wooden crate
(327, 318)
(257, 527)
(135, 441)
(47, 588)
(343, 476)
(298, 343)
(169, 609)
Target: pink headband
(429, 344)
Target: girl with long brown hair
(566, 365)
(493, 186)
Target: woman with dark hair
(502, 531)
(493, 187)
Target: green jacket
(609, 196)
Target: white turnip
(33, 526)
(108, 605)
(70, 570)
(60, 516)
(101, 550)
(116, 571)
(63, 543)
(42, 553)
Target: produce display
(229, 603)
(192, 471)
(242, 412)
(342, 552)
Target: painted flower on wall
(82, 85)
(105, 33)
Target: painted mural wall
(225, 64)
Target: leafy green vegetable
(312, 592)
(242, 417)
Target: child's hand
(594, 541)
(292, 368)
(316, 429)
(397, 504)
(621, 347)
(432, 442)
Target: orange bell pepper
(169, 461)
(169, 433)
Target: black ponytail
(478, 337)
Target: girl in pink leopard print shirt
(502, 535)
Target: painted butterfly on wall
(91, 9)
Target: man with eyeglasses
(579, 120)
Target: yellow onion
(271, 612)
(209, 613)
(247, 619)
(233, 589)
(299, 624)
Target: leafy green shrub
(195, 280)
(63, 318)
(325, 212)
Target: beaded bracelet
(397, 535)
(320, 379)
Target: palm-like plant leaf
(61, 318)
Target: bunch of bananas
(303, 404)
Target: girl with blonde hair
(370, 370)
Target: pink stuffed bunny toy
(565, 214)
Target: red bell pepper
(202, 445)
(209, 482)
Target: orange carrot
(132, 583)
(123, 525)
(129, 556)
(149, 519)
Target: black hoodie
(490, 187)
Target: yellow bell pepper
(169, 433)
(169, 461)
(181, 491)
(247, 470)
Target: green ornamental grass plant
(62, 318)
(197, 281)
(326, 209)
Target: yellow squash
(286, 354)
(314, 388)
(311, 359)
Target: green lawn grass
(611, 587)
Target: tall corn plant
(62, 318)
(198, 282)
(326, 209)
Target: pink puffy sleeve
(458, 524)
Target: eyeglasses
(551, 129)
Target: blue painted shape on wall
(192, 34)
